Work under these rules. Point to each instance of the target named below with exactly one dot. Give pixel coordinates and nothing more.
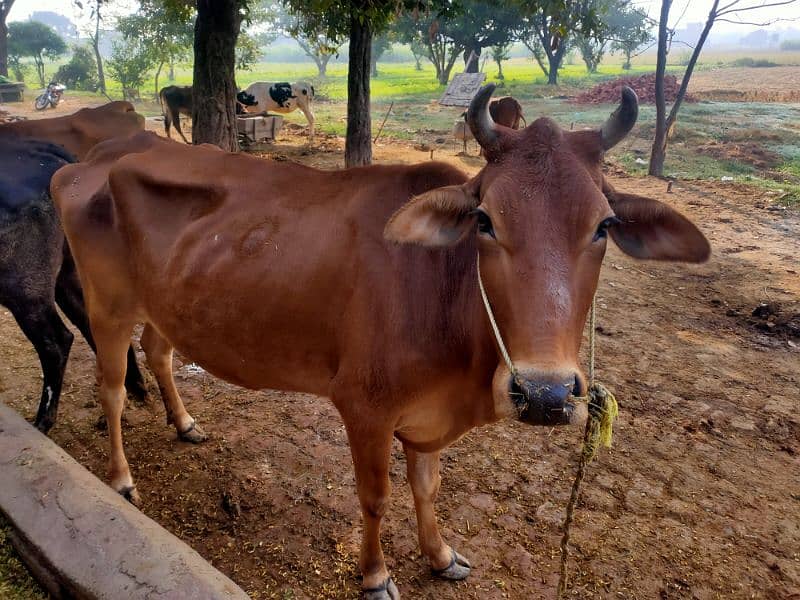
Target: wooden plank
(462, 88)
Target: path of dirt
(699, 498)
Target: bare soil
(747, 84)
(698, 499)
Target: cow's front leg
(371, 452)
(423, 475)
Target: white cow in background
(284, 97)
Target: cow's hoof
(44, 424)
(131, 495)
(386, 591)
(138, 392)
(193, 434)
(457, 570)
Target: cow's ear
(440, 217)
(650, 229)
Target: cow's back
(79, 132)
(209, 241)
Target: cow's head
(541, 214)
(246, 99)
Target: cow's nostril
(577, 388)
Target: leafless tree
(731, 11)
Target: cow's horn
(480, 121)
(622, 120)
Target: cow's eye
(485, 223)
(602, 229)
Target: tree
(80, 73)
(166, 36)
(63, 26)
(665, 122)
(631, 31)
(357, 20)
(95, 9)
(545, 28)
(248, 51)
(36, 40)
(619, 24)
(381, 44)
(5, 8)
(216, 30)
(500, 54)
(309, 32)
(458, 29)
(129, 63)
(422, 32)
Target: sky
(695, 11)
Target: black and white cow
(36, 267)
(285, 97)
(177, 100)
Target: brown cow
(505, 111)
(81, 130)
(362, 285)
(176, 101)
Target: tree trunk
(214, 88)
(158, 72)
(39, 62)
(101, 76)
(358, 144)
(3, 46)
(171, 72)
(554, 60)
(626, 66)
(471, 66)
(500, 70)
(659, 150)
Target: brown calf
(362, 285)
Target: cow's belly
(250, 304)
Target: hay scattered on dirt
(16, 583)
(645, 87)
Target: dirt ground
(699, 497)
(747, 84)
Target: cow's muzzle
(545, 402)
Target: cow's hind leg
(176, 122)
(69, 297)
(41, 324)
(423, 475)
(371, 450)
(159, 359)
(113, 338)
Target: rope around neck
(602, 407)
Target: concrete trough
(81, 539)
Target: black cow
(177, 100)
(36, 267)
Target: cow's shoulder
(78, 188)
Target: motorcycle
(52, 96)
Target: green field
(417, 117)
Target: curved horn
(622, 120)
(480, 121)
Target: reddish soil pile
(608, 92)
